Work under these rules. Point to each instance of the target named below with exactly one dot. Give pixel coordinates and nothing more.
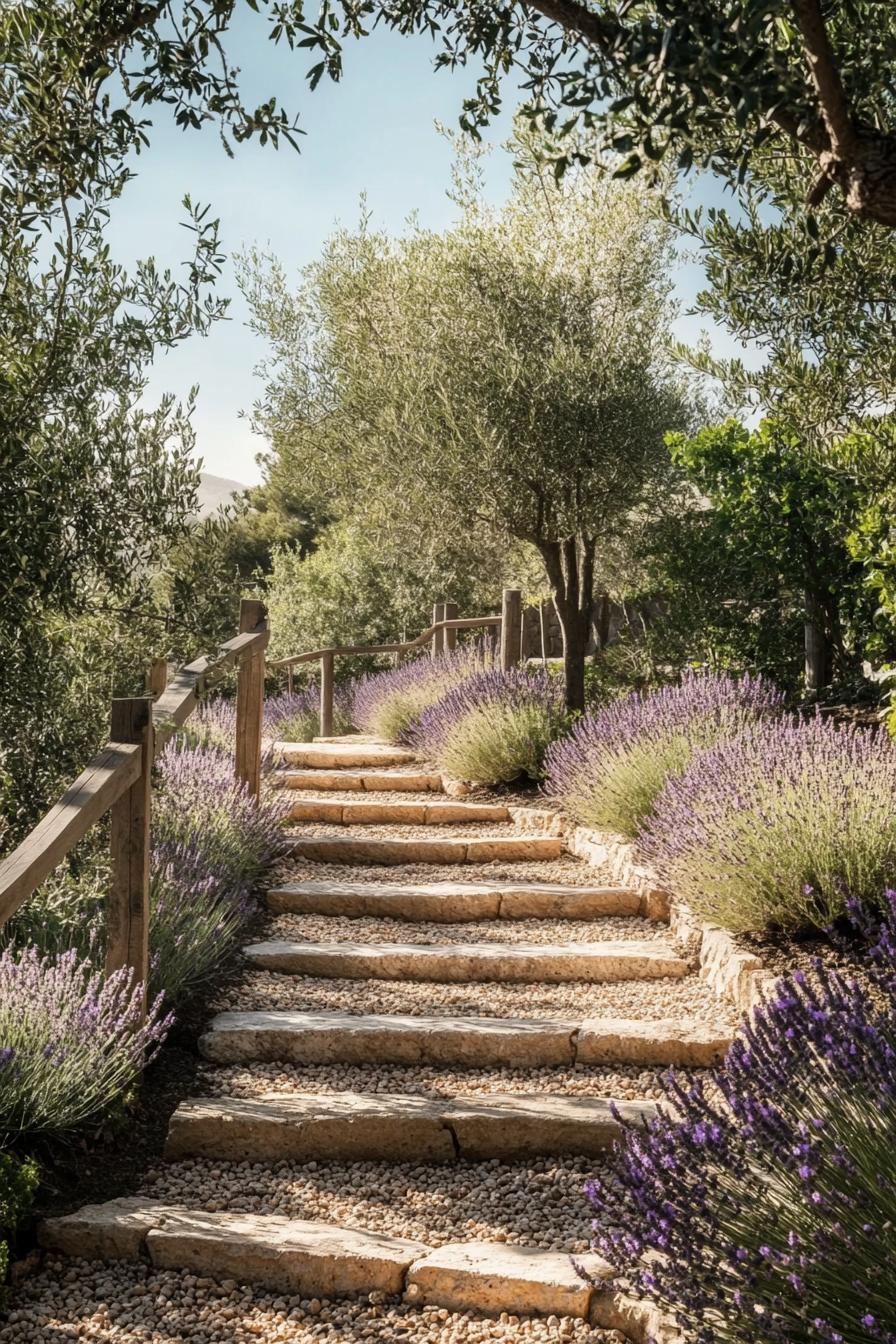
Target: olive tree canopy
(507, 374)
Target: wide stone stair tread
(351, 1126)
(334, 755)
(326, 1260)
(453, 902)
(447, 850)
(471, 1042)
(549, 963)
(445, 812)
(358, 781)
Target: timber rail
(119, 781)
(441, 636)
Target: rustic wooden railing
(119, 780)
(441, 635)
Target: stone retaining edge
(730, 971)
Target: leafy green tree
(361, 588)
(94, 487)
(713, 81)
(770, 555)
(506, 375)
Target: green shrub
(18, 1182)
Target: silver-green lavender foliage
(494, 726)
(71, 1039)
(390, 704)
(760, 1205)
(609, 771)
(778, 827)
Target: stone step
(336, 755)
(442, 813)
(285, 1254)
(358, 781)
(461, 1042)
(358, 1127)
(326, 1260)
(453, 902)
(463, 963)
(361, 850)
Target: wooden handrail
(118, 780)
(350, 650)
(110, 774)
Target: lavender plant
(760, 1206)
(610, 770)
(199, 802)
(288, 717)
(776, 828)
(390, 704)
(493, 726)
(197, 917)
(71, 1040)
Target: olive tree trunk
(570, 569)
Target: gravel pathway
(568, 869)
(536, 1203)
(652, 999)
(624, 1082)
(336, 929)
(135, 1304)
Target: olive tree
(507, 374)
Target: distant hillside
(215, 492)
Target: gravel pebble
(686, 998)
(136, 1304)
(624, 1082)
(537, 1203)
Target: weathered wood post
(289, 682)
(127, 911)
(327, 669)
(438, 638)
(450, 613)
(250, 700)
(511, 627)
(157, 680)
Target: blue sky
(373, 133)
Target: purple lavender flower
(779, 826)
(199, 802)
(197, 915)
(288, 717)
(493, 726)
(760, 1206)
(610, 770)
(72, 1039)
(389, 704)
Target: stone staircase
(337, 1146)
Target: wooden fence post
(127, 912)
(157, 681)
(511, 627)
(250, 700)
(289, 682)
(327, 670)
(438, 639)
(450, 613)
